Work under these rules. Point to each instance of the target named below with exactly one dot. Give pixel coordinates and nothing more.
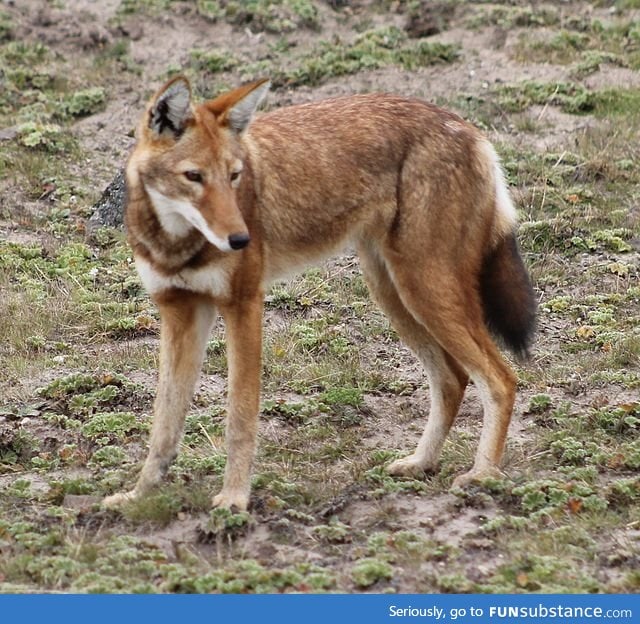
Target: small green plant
(622, 420)
(335, 532)
(531, 572)
(213, 61)
(540, 403)
(76, 383)
(47, 136)
(17, 448)
(210, 9)
(613, 240)
(624, 492)
(224, 523)
(131, 7)
(24, 53)
(6, 27)
(385, 483)
(158, 508)
(548, 497)
(108, 457)
(82, 103)
(370, 50)
(274, 16)
(108, 427)
(20, 488)
(570, 97)
(512, 16)
(369, 571)
(352, 397)
(293, 413)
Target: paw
(231, 499)
(409, 466)
(116, 501)
(476, 475)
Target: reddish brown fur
(416, 189)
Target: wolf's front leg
(243, 323)
(186, 320)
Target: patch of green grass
(512, 16)
(81, 394)
(17, 448)
(158, 508)
(617, 103)
(213, 61)
(539, 403)
(24, 53)
(109, 456)
(37, 92)
(110, 427)
(6, 27)
(132, 7)
(250, 576)
(67, 561)
(224, 524)
(273, 16)
(543, 573)
(408, 549)
(323, 417)
(314, 353)
(370, 50)
(49, 137)
(586, 43)
(65, 289)
(548, 496)
(570, 97)
(563, 46)
(117, 56)
(383, 483)
(84, 102)
(335, 532)
(369, 571)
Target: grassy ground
(557, 89)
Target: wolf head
(189, 158)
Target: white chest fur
(208, 280)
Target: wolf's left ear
(236, 108)
(171, 108)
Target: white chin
(178, 217)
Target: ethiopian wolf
(221, 202)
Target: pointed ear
(170, 108)
(236, 108)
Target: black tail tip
(508, 298)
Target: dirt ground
(324, 516)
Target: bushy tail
(507, 297)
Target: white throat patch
(177, 217)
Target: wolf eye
(193, 176)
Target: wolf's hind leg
(450, 310)
(447, 383)
(447, 380)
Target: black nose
(239, 241)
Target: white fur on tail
(506, 215)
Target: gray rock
(109, 209)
